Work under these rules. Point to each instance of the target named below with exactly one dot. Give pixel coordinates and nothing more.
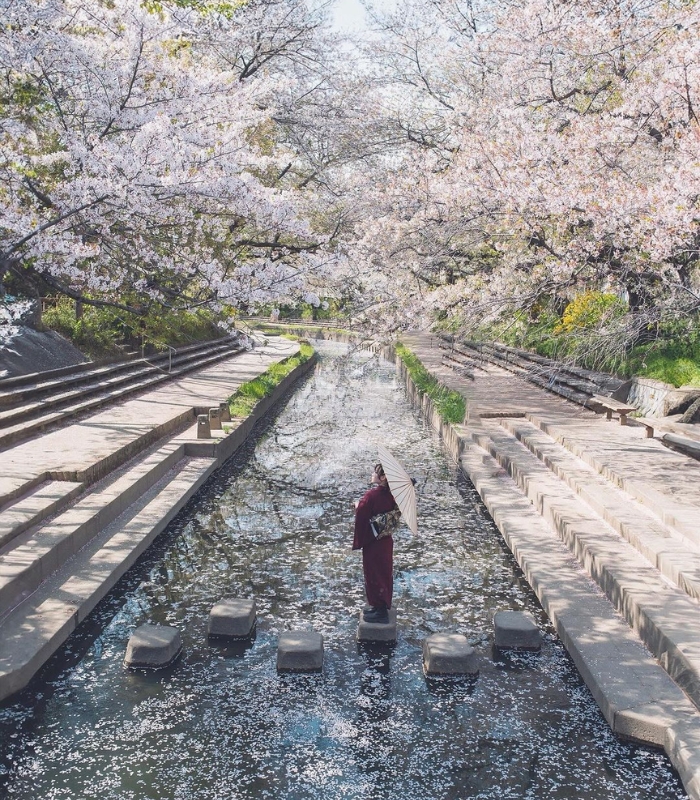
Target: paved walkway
(76, 448)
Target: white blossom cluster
(548, 147)
(138, 156)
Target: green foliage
(450, 405)
(674, 357)
(226, 8)
(590, 310)
(98, 331)
(306, 311)
(249, 394)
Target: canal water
(221, 724)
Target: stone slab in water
(377, 631)
(449, 654)
(516, 629)
(232, 618)
(300, 651)
(153, 647)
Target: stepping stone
(153, 647)
(516, 630)
(377, 631)
(449, 654)
(232, 618)
(300, 651)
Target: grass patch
(665, 364)
(450, 405)
(249, 394)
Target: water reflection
(276, 524)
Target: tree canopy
(464, 159)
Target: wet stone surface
(221, 723)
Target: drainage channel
(275, 523)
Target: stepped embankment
(80, 504)
(605, 525)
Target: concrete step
(671, 510)
(34, 507)
(637, 697)
(20, 390)
(102, 396)
(36, 628)
(573, 383)
(39, 552)
(667, 550)
(28, 410)
(660, 612)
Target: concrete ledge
(683, 747)
(377, 631)
(33, 508)
(300, 651)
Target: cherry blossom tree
(548, 147)
(139, 161)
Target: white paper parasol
(401, 487)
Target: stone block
(449, 654)
(224, 412)
(215, 419)
(203, 427)
(232, 618)
(377, 631)
(153, 647)
(300, 651)
(517, 630)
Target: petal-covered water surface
(276, 524)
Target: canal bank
(560, 544)
(149, 463)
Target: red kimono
(377, 554)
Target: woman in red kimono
(377, 554)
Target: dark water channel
(275, 523)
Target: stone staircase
(573, 383)
(64, 547)
(641, 549)
(32, 403)
(54, 573)
(70, 530)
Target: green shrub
(249, 394)
(450, 405)
(99, 330)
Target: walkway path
(74, 450)
(578, 497)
